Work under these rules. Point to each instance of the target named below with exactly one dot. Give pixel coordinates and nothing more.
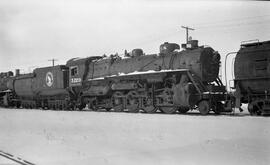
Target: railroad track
(15, 158)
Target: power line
(235, 25)
(229, 20)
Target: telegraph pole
(187, 28)
(53, 61)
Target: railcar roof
(254, 44)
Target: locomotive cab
(78, 67)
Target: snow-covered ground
(99, 138)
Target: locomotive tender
(169, 81)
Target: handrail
(232, 70)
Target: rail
(15, 159)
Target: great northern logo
(49, 79)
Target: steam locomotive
(170, 81)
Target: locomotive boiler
(252, 77)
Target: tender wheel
(204, 107)
(183, 110)
(168, 110)
(133, 102)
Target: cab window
(74, 71)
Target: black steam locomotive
(170, 81)
(252, 77)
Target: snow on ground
(101, 138)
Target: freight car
(252, 77)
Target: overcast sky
(34, 31)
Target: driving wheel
(132, 102)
